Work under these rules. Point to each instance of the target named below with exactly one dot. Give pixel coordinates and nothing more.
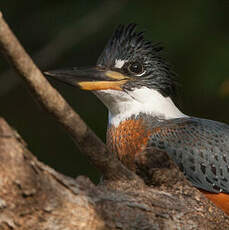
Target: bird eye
(135, 68)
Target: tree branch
(66, 38)
(53, 102)
(34, 196)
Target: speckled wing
(199, 147)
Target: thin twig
(52, 101)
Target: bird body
(137, 85)
(204, 162)
(197, 146)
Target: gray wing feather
(199, 147)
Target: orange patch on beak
(115, 75)
(101, 85)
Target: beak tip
(47, 73)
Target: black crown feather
(127, 44)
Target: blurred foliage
(195, 34)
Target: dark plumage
(200, 149)
(127, 44)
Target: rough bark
(34, 196)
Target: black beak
(94, 78)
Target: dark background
(60, 34)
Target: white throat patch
(122, 105)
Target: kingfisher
(137, 85)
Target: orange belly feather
(221, 200)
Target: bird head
(129, 71)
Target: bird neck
(122, 105)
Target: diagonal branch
(66, 38)
(52, 101)
(34, 196)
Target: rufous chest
(127, 140)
